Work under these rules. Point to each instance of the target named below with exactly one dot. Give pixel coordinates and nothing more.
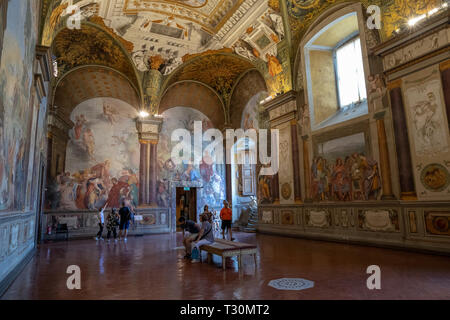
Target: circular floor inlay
(291, 284)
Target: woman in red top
(226, 215)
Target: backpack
(195, 254)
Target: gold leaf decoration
(220, 71)
(87, 46)
(155, 62)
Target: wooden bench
(226, 249)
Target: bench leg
(239, 261)
(209, 258)
(254, 257)
(224, 263)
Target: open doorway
(186, 201)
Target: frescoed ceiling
(218, 70)
(172, 29)
(87, 46)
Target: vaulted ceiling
(90, 82)
(172, 29)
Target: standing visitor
(101, 222)
(124, 225)
(226, 215)
(112, 221)
(207, 213)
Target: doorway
(186, 204)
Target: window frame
(339, 45)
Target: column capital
(444, 65)
(149, 129)
(394, 84)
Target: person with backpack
(124, 224)
(205, 236)
(192, 229)
(112, 221)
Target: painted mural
(342, 171)
(102, 158)
(18, 32)
(209, 178)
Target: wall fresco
(102, 158)
(208, 178)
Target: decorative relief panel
(437, 222)
(341, 218)
(379, 220)
(14, 237)
(4, 232)
(318, 218)
(428, 133)
(287, 217)
(267, 216)
(285, 172)
(276, 217)
(412, 221)
(417, 49)
(148, 219)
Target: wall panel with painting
(22, 114)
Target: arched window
(334, 69)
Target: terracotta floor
(152, 267)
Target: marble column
(445, 75)
(152, 175)
(385, 167)
(276, 189)
(296, 162)
(227, 155)
(407, 187)
(148, 137)
(306, 169)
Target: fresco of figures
(210, 178)
(17, 25)
(102, 158)
(343, 172)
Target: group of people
(114, 219)
(196, 235)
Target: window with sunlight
(350, 73)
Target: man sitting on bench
(205, 236)
(193, 229)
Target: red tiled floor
(151, 268)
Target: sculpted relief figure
(139, 60)
(277, 22)
(241, 50)
(377, 91)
